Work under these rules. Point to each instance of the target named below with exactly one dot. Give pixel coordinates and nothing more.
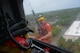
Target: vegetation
(55, 30)
(69, 44)
(61, 42)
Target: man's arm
(46, 36)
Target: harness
(42, 29)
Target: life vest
(44, 29)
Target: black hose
(22, 31)
(16, 26)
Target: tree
(69, 44)
(61, 42)
(55, 30)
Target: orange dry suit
(43, 30)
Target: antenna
(34, 18)
(31, 8)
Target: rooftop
(74, 29)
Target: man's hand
(40, 39)
(32, 37)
